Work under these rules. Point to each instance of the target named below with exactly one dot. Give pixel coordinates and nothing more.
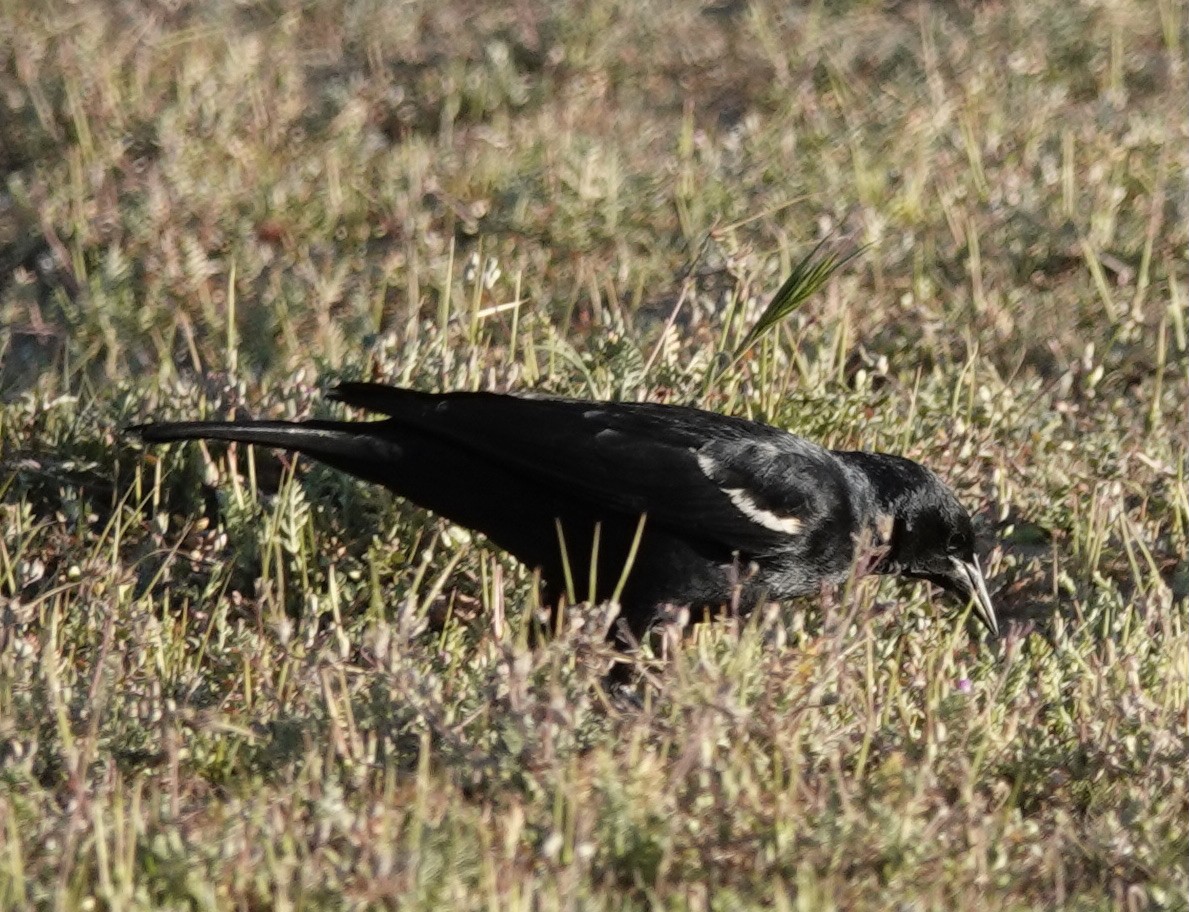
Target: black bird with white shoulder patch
(734, 511)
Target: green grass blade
(807, 279)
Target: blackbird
(701, 509)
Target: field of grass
(228, 681)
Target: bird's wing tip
(348, 390)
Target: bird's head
(928, 534)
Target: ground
(230, 681)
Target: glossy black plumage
(734, 509)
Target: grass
(232, 682)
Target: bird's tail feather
(325, 440)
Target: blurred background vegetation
(1018, 168)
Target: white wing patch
(745, 503)
(706, 463)
(742, 500)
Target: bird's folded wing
(745, 485)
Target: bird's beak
(967, 579)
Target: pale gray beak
(968, 577)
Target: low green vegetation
(232, 681)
